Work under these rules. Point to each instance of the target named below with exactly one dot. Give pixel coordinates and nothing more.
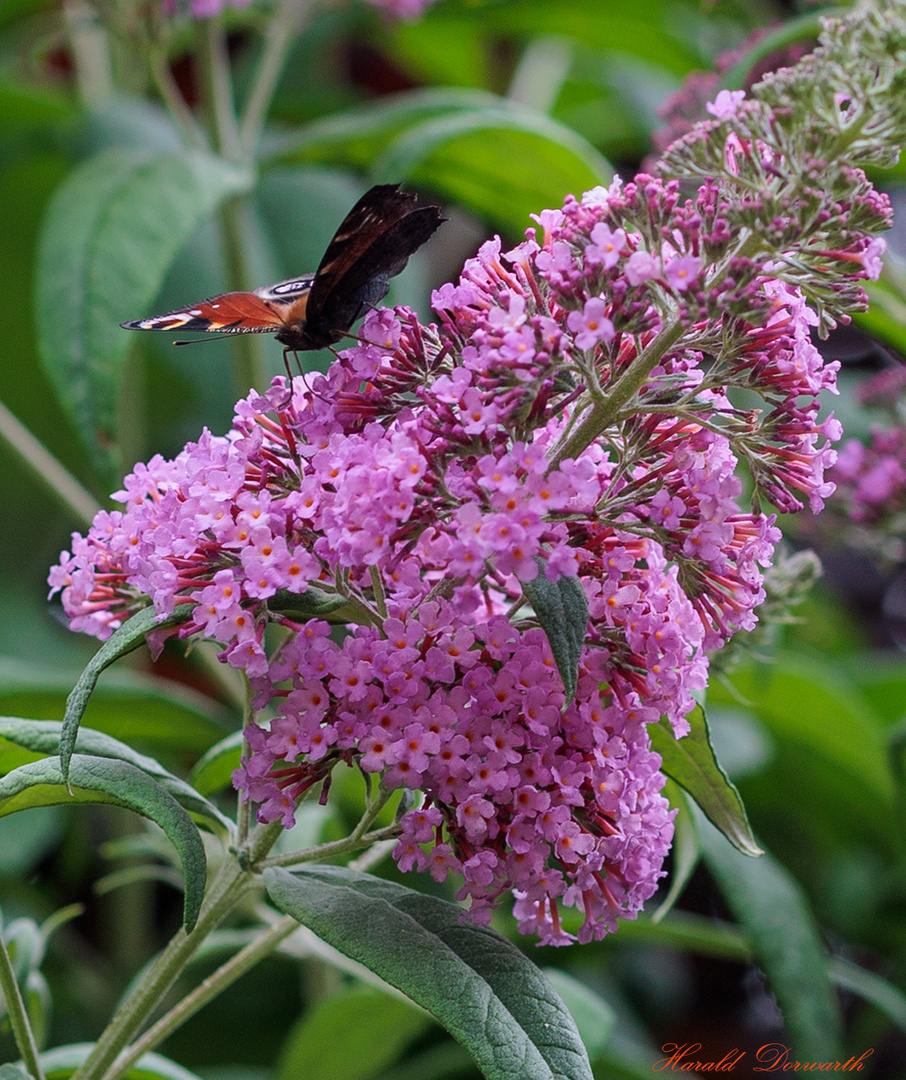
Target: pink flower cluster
(520, 794)
(868, 509)
(691, 102)
(201, 9)
(403, 9)
(415, 490)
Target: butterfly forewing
(357, 266)
(231, 313)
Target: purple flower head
(430, 477)
(591, 325)
(726, 103)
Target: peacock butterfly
(313, 311)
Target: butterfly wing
(266, 311)
(372, 245)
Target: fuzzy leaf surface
(489, 996)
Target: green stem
(206, 991)
(18, 1017)
(244, 809)
(377, 586)
(249, 364)
(180, 113)
(336, 847)
(218, 88)
(281, 30)
(224, 893)
(601, 414)
(90, 52)
(358, 838)
(224, 128)
(62, 483)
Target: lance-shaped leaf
(489, 153)
(504, 160)
(111, 233)
(123, 641)
(63, 1061)
(213, 772)
(489, 996)
(562, 610)
(105, 780)
(691, 762)
(311, 604)
(43, 737)
(786, 941)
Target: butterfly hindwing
(287, 291)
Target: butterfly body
(313, 311)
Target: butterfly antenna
(352, 337)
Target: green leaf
(112, 231)
(358, 135)
(594, 1018)
(43, 737)
(669, 32)
(25, 945)
(105, 780)
(13, 1072)
(353, 1035)
(786, 942)
(123, 641)
(499, 158)
(562, 610)
(26, 840)
(24, 106)
(158, 715)
(829, 779)
(314, 603)
(214, 771)
(507, 163)
(871, 987)
(685, 851)
(886, 317)
(489, 996)
(62, 1062)
(691, 762)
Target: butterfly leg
(289, 378)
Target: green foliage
(111, 209)
(122, 642)
(786, 942)
(691, 762)
(353, 1035)
(63, 1061)
(562, 610)
(112, 231)
(112, 782)
(481, 988)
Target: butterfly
(313, 311)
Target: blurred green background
(497, 110)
